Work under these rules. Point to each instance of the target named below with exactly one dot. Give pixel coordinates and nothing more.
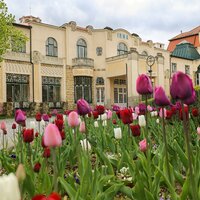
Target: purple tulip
(181, 87)
(142, 107)
(83, 108)
(160, 97)
(115, 108)
(20, 117)
(45, 117)
(144, 85)
(191, 99)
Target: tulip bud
(82, 127)
(135, 129)
(28, 135)
(96, 124)
(141, 120)
(100, 109)
(118, 133)
(73, 119)
(37, 167)
(144, 85)
(84, 144)
(83, 107)
(20, 117)
(109, 114)
(20, 173)
(126, 116)
(104, 123)
(104, 116)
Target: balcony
(82, 62)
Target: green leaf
(112, 191)
(185, 189)
(148, 195)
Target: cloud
(155, 20)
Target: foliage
(8, 31)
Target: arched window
(99, 81)
(51, 47)
(81, 49)
(122, 49)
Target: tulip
(38, 117)
(135, 116)
(60, 116)
(160, 97)
(52, 196)
(47, 152)
(114, 121)
(85, 144)
(115, 108)
(104, 123)
(14, 126)
(52, 136)
(109, 114)
(104, 116)
(20, 117)
(100, 109)
(28, 135)
(195, 112)
(144, 85)
(3, 126)
(149, 108)
(96, 124)
(126, 116)
(32, 124)
(54, 112)
(137, 110)
(37, 167)
(59, 123)
(82, 127)
(83, 107)
(143, 145)
(135, 129)
(118, 133)
(20, 173)
(36, 134)
(169, 114)
(191, 99)
(157, 121)
(186, 111)
(198, 131)
(73, 119)
(181, 87)
(45, 117)
(95, 114)
(165, 113)
(9, 187)
(142, 108)
(141, 120)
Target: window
(100, 95)
(174, 67)
(187, 69)
(122, 36)
(99, 51)
(120, 95)
(81, 49)
(17, 87)
(20, 48)
(122, 49)
(100, 81)
(83, 88)
(51, 89)
(51, 47)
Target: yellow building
(60, 64)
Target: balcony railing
(85, 62)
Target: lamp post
(150, 62)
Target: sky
(156, 20)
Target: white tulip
(32, 124)
(84, 144)
(104, 116)
(118, 133)
(155, 113)
(96, 124)
(104, 123)
(152, 114)
(157, 121)
(141, 120)
(9, 187)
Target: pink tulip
(149, 108)
(144, 85)
(109, 114)
(191, 99)
(143, 145)
(160, 97)
(73, 119)
(82, 127)
(198, 131)
(52, 137)
(165, 113)
(137, 110)
(20, 117)
(181, 87)
(83, 107)
(3, 126)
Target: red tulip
(169, 114)
(52, 196)
(42, 142)
(195, 112)
(59, 116)
(62, 134)
(160, 97)
(100, 109)
(47, 152)
(126, 116)
(36, 134)
(181, 87)
(83, 107)
(14, 126)
(186, 113)
(59, 123)
(38, 117)
(52, 136)
(28, 135)
(95, 114)
(135, 129)
(144, 85)
(114, 121)
(37, 167)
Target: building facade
(60, 64)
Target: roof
(194, 31)
(185, 50)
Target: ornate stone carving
(37, 57)
(18, 68)
(52, 71)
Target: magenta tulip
(73, 119)
(20, 117)
(144, 85)
(191, 99)
(83, 107)
(160, 97)
(181, 87)
(52, 136)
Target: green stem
(86, 134)
(55, 170)
(189, 154)
(166, 145)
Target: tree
(8, 32)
